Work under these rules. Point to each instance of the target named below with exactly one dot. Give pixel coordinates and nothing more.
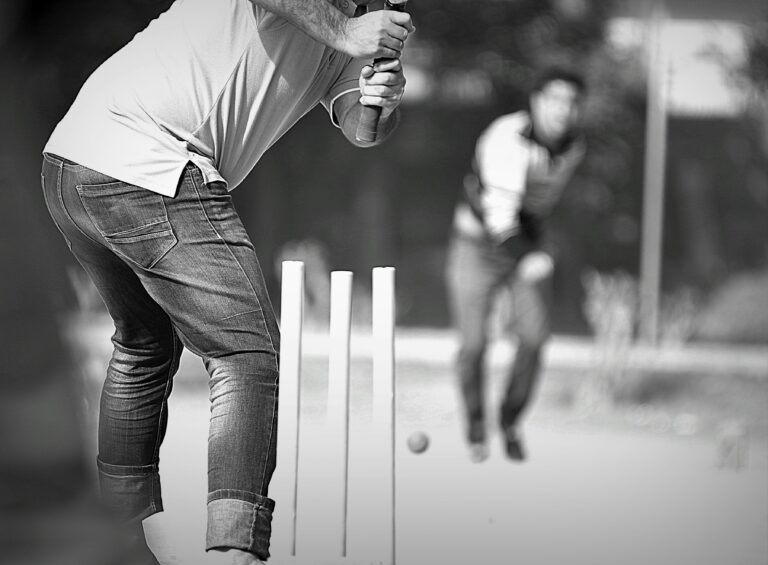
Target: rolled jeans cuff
(241, 520)
(131, 493)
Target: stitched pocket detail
(133, 220)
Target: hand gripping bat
(368, 125)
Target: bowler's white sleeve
(502, 161)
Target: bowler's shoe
(513, 445)
(478, 447)
(478, 452)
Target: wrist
(387, 112)
(346, 7)
(343, 34)
(334, 23)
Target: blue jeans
(476, 271)
(175, 271)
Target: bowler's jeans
(175, 271)
(476, 272)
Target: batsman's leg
(211, 284)
(133, 408)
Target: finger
(367, 72)
(387, 53)
(380, 90)
(383, 101)
(388, 79)
(402, 19)
(388, 94)
(398, 32)
(387, 65)
(394, 32)
(393, 43)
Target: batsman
(137, 177)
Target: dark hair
(550, 74)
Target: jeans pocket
(133, 220)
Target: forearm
(500, 206)
(351, 118)
(501, 164)
(320, 19)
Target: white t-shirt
(516, 173)
(215, 82)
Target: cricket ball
(418, 442)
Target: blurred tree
(757, 54)
(756, 72)
(507, 39)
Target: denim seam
(137, 470)
(129, 476)
(166, 394)
(238, 314)
(152, 495)
(100, 187)
(271, 435)
(60, 163)
(252, 529)
(51, 160)
(241, 495)
(120, 239)
(190, 346)
(266, 326)
(163, 409)
(170, 229)
(131, 230)
(50, 210)
(60, 194)
(114, 248)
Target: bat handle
(368, 126)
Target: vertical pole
(383, 304)
(655, 166)
(338, 398)
(291, 321)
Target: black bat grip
(368, 126)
